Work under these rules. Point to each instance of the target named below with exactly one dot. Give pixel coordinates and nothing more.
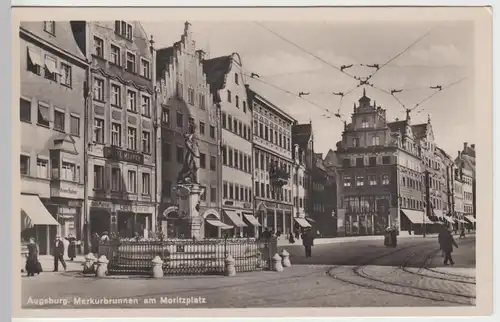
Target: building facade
(53, 72)
(121, 154)
(458, 196)
(466, 160)
(187, 106)
(322, 199)
(272, 167)
(227, 84)
(330, 164)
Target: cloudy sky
(443, 57)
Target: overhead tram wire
(439, 90)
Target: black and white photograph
(195, 163)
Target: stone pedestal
(189, 198)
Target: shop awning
(470, 218)
(417, 217)
(237, 221)
(309, 219)
(218, 224)
(251, 219)
(450, 219)
(438, 213)
(50, 64)
(34, 209)
(302, 222)
(34, 57)
(462, 221)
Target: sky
(276, 51)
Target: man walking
(447, 242)
(58, 253)
(308, 242)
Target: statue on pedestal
(189, 171)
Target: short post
(230, 270)
(157, 267)
(102, 266)
(276, 263)
(88, 266)
(286, 258)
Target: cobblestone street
(359, 273)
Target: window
(132, 138)
(237, 101)
(51, 71)
(385, 179)
(146, 106)
(360, 181)
(131, 101)
(165, 116)
(229, 96)
(130, 62)
(116, 95)
(180, 120)
(98, 47)
(212, 163)
(145, 68)
(146, 183)
(355, 142)
(24, 110)
(375, 140)
(244, 107)
(213, 194)
(65, 74)
(123, 29)
(116, 134)
(229, 123)
(98, 131)
(98, 177)
(224, 155)
(372, 180)
(236, 80)
(202, 101)
(50, 27)
(360, 162)
(386, 160)
(231, 191)
(236, 159)
(235, 126)
(68, 171)
(203, 160)
(116, 179)
(59, 120)
(180, 155)
(212, 131)
(202, 128)
(43, 115)
(179, 89)
(132, 181)
(364, 124)
(347, 181)
(230, 157)
(271, 137)
(191, 95)
(34, 62)
(240, 129)
(146, 142)
(115, 55)
(266, 133)
(373, 161)
(99, 89)
(42, 168)
(25, 165)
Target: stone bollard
(157, 267)
(88, 266)
(276, 266)
(286, 258)
(230, 270)
(102, 266)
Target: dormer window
(123, 29)
(364, 124)
(50, 27)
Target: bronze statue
(189, 171)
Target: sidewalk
(335, 240)
(47, 262)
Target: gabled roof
(216, 70)
(330, 159)
(301, 134)
(397, 126)
(163, 57)
(419, 130)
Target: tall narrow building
(187, 106)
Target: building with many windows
(466, 160)
(121, 159)
(53, 72)
(187, 107)
(227, 83)
(272, 146)
(323, 199)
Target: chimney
(473, 146)
(465, 146)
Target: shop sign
(285, 207)
(67, 210)
(101, 204)
(96, 150)
(133, 208)
(117, 154)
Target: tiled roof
(397, 126)
(301, 133)
(163, 57)
(215, 70)
(419, 130)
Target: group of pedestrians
(33, 265)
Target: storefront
(252, 225)
(68, 214)
(275, 216)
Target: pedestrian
(442, 231)
(447, 242)
(71, 247)
(462, 233)
(105, 237)
(291, 240)
(266, 235)
(308, 242)
(58, 253)
(33, 265)
(94, 243)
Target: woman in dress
(71, 247)
(32, 264)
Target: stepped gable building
(53, 72)
(187, 105)
(228, 87)
(121, 155)
(272, 172)
(380, 178)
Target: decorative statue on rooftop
(189, 171)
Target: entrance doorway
(100, 221)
